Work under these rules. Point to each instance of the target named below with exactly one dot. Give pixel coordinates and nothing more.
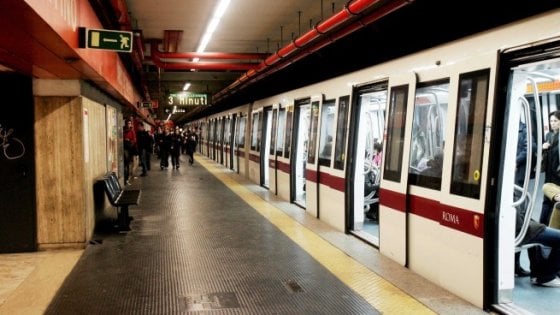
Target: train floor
(205, 239)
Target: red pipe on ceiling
(157, 56)
(376, 15)
(206, 66)
(209, 55)
(339, 20)
(210, 66)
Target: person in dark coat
(130, 149)
(144, 142)
(520, 168)
(175, 148)
(163, 141)
(192, 141)
(551, 162)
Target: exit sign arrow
(119, 41)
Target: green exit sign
(119, 41)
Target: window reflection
(280, 133)
(428, 130)
(395, 133)
(341, 132)
(326, 138)
(469, 134)
(255, 133)
(241, 132)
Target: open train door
(393, 186)
(368, 128)
(529, 89)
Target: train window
(392, 166)
(260, 122)
(327, 131)
(255, 133)
(227, 131)
(313, 132)
(241, 132)
(289, 126)
(220, 131)
(280, 133)
(223, 131)
(428, 130)
(341, 131)
(469, 134)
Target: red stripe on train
(456, 218)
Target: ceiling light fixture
(212, 25)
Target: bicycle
(12, 147)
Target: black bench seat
(120, 198)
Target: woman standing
(551, 162)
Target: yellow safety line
(381, 294)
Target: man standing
(145, 145)
(129, 144)
(192, 140)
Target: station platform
(205, 239)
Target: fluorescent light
(221, 8)
(212, 25)
(186, 86)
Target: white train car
(441, 202)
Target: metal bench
(121, 199)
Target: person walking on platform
(175, 149)
(192, 140)
(163, 141)
(130, 149)
(145, 144)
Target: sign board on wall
(187, 99)
(118, 41)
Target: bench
(121, 199)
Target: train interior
(532, 96)
(303, 124)
(371, 124)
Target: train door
(241, 145)
(211, 139)
(227, 134)
(394, 178)
(302, 123)
(312, 167)
(284, 154)
(232, 144)
(369, 115)
(265, 146)
(531, 78)
(272, 163)
(325, 186)
(220, 140)
(216, 140)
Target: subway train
(443, 200)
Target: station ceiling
(292, 43)
(256, 26)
